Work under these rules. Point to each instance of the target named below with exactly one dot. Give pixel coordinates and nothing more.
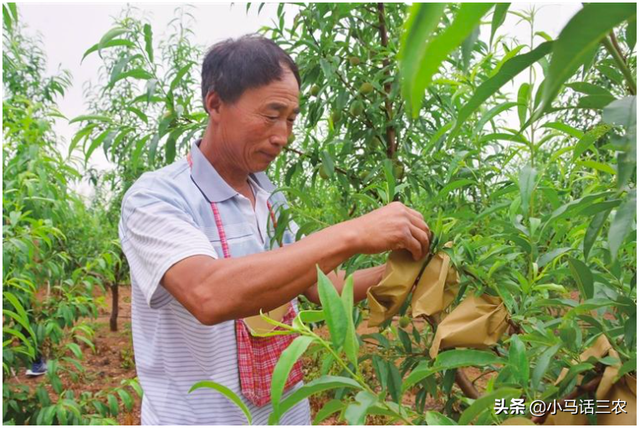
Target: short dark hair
(233, 66)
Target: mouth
(268, 156)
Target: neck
(219, 159)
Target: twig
(466, 386)
(622, 65)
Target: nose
(280, 134)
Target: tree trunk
(113, 321)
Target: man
(195, 236)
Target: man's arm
(220, 290)
(363, 279)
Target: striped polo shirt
(167, 217)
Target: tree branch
(620, 62)
(384, 41)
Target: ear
(213, 104)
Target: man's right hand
(392, 227)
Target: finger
(418, 220)
(423, 240)
(411, 244)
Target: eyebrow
(281, 107)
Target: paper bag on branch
(624, 389)
(437, 287)
(386, 298)
(477, 322)
(599, 349)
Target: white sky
(69, 29)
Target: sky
(69, 29)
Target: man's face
(255, 128)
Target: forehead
(280, 94)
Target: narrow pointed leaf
(227, 393)
(578, 40)
(284, 365)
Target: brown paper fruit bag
(477, 322)
(624, 389)
(386, 298)
(437, 287)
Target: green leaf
(622, 224)
(631, 33)
(148, 41)
(493, 112)
(548, 257)
(621, 112)
(571, 207)
(588, 88)
(543, 364)
(394, 381)
(113, 404)
(508, 71)
(284, 365)
(596, 102)
(96, 143)
(578, 40)
(422, 371)
(91, 118)
(593, 230)
(583, 276)
(351, 341)
(563, 127)
(179, 75)
(333, 310)
(588, 139)
(435, 51)
(75, 349)
(518, 361)
(573, 372)
(355, 413)
(598, 166)
(6, 17)
(327, 410)
(436, 418)
(499, 15)
(227, 393)
(524, 94)
(454, 185)
(467, 47)
(485, 402)
(465, 358)
(136, 73)
(21, 316)
(109, 44)
(309, 316)
(527, 182)
(422, 21)
(126, 399)
(320, 384)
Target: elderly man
(196, 236)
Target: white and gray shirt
(167, 217)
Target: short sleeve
(157, 233)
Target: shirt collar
(211, 184)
